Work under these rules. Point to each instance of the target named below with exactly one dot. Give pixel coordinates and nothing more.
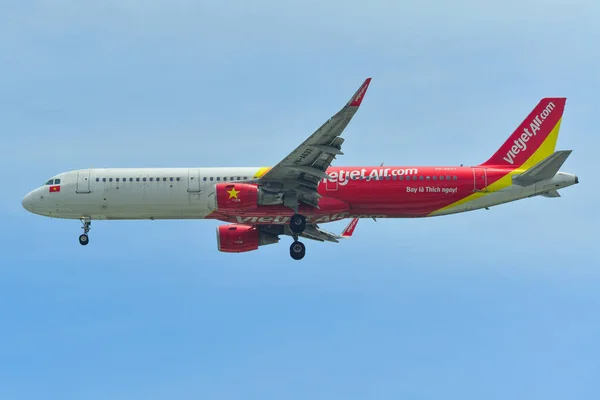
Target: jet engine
(238, 238)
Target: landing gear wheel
(83, 239)
(297, 223)
(87, 223)
(297, 250)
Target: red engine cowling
(238, 238)
(236, 196)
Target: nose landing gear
(87, 223)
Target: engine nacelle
(243, 197)
(238, 238)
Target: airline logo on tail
(534, 128)
(534, 139)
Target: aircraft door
(479, 179)
(83, 181)
(193, 180)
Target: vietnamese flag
(54, 189)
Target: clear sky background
(498, 304)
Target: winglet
(359, 95)
(349, 230)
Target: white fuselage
(133, 193)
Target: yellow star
(233, 193)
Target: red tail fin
(534, 139)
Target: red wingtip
(360, 94)
(350, 228)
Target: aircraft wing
(313, 231)
(298, 175)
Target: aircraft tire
(83, 239)
(297, 250)
(297, 223)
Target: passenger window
(124, 179)
(97, 179)
(455, 177)
(435, 177)
(137, 179)
(421, 178)
(245, 177)
(441, 177)
(394, 177)
(110, 179)
(164, 179)
(428, 177)
(103, 179)
(218, 178)
(117, 179)
(130, 179)
(144, 179)
(238, 178)
(177, 179)
(447, 177)
(171, 179)
(157, 179)
(211, 178)
(151, 179)
(204, 179)
(401, 177)
(414, 178)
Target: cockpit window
(57, 181)
(50, 182)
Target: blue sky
(491, 304)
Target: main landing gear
(297, 250)
(297, 226)
(87, 223)
(297, 223)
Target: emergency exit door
(193, 180)
(479, 179)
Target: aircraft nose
(27, 202)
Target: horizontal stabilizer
(545, 169)
(551, 193)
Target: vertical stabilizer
(534, 140)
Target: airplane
(303, 191)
